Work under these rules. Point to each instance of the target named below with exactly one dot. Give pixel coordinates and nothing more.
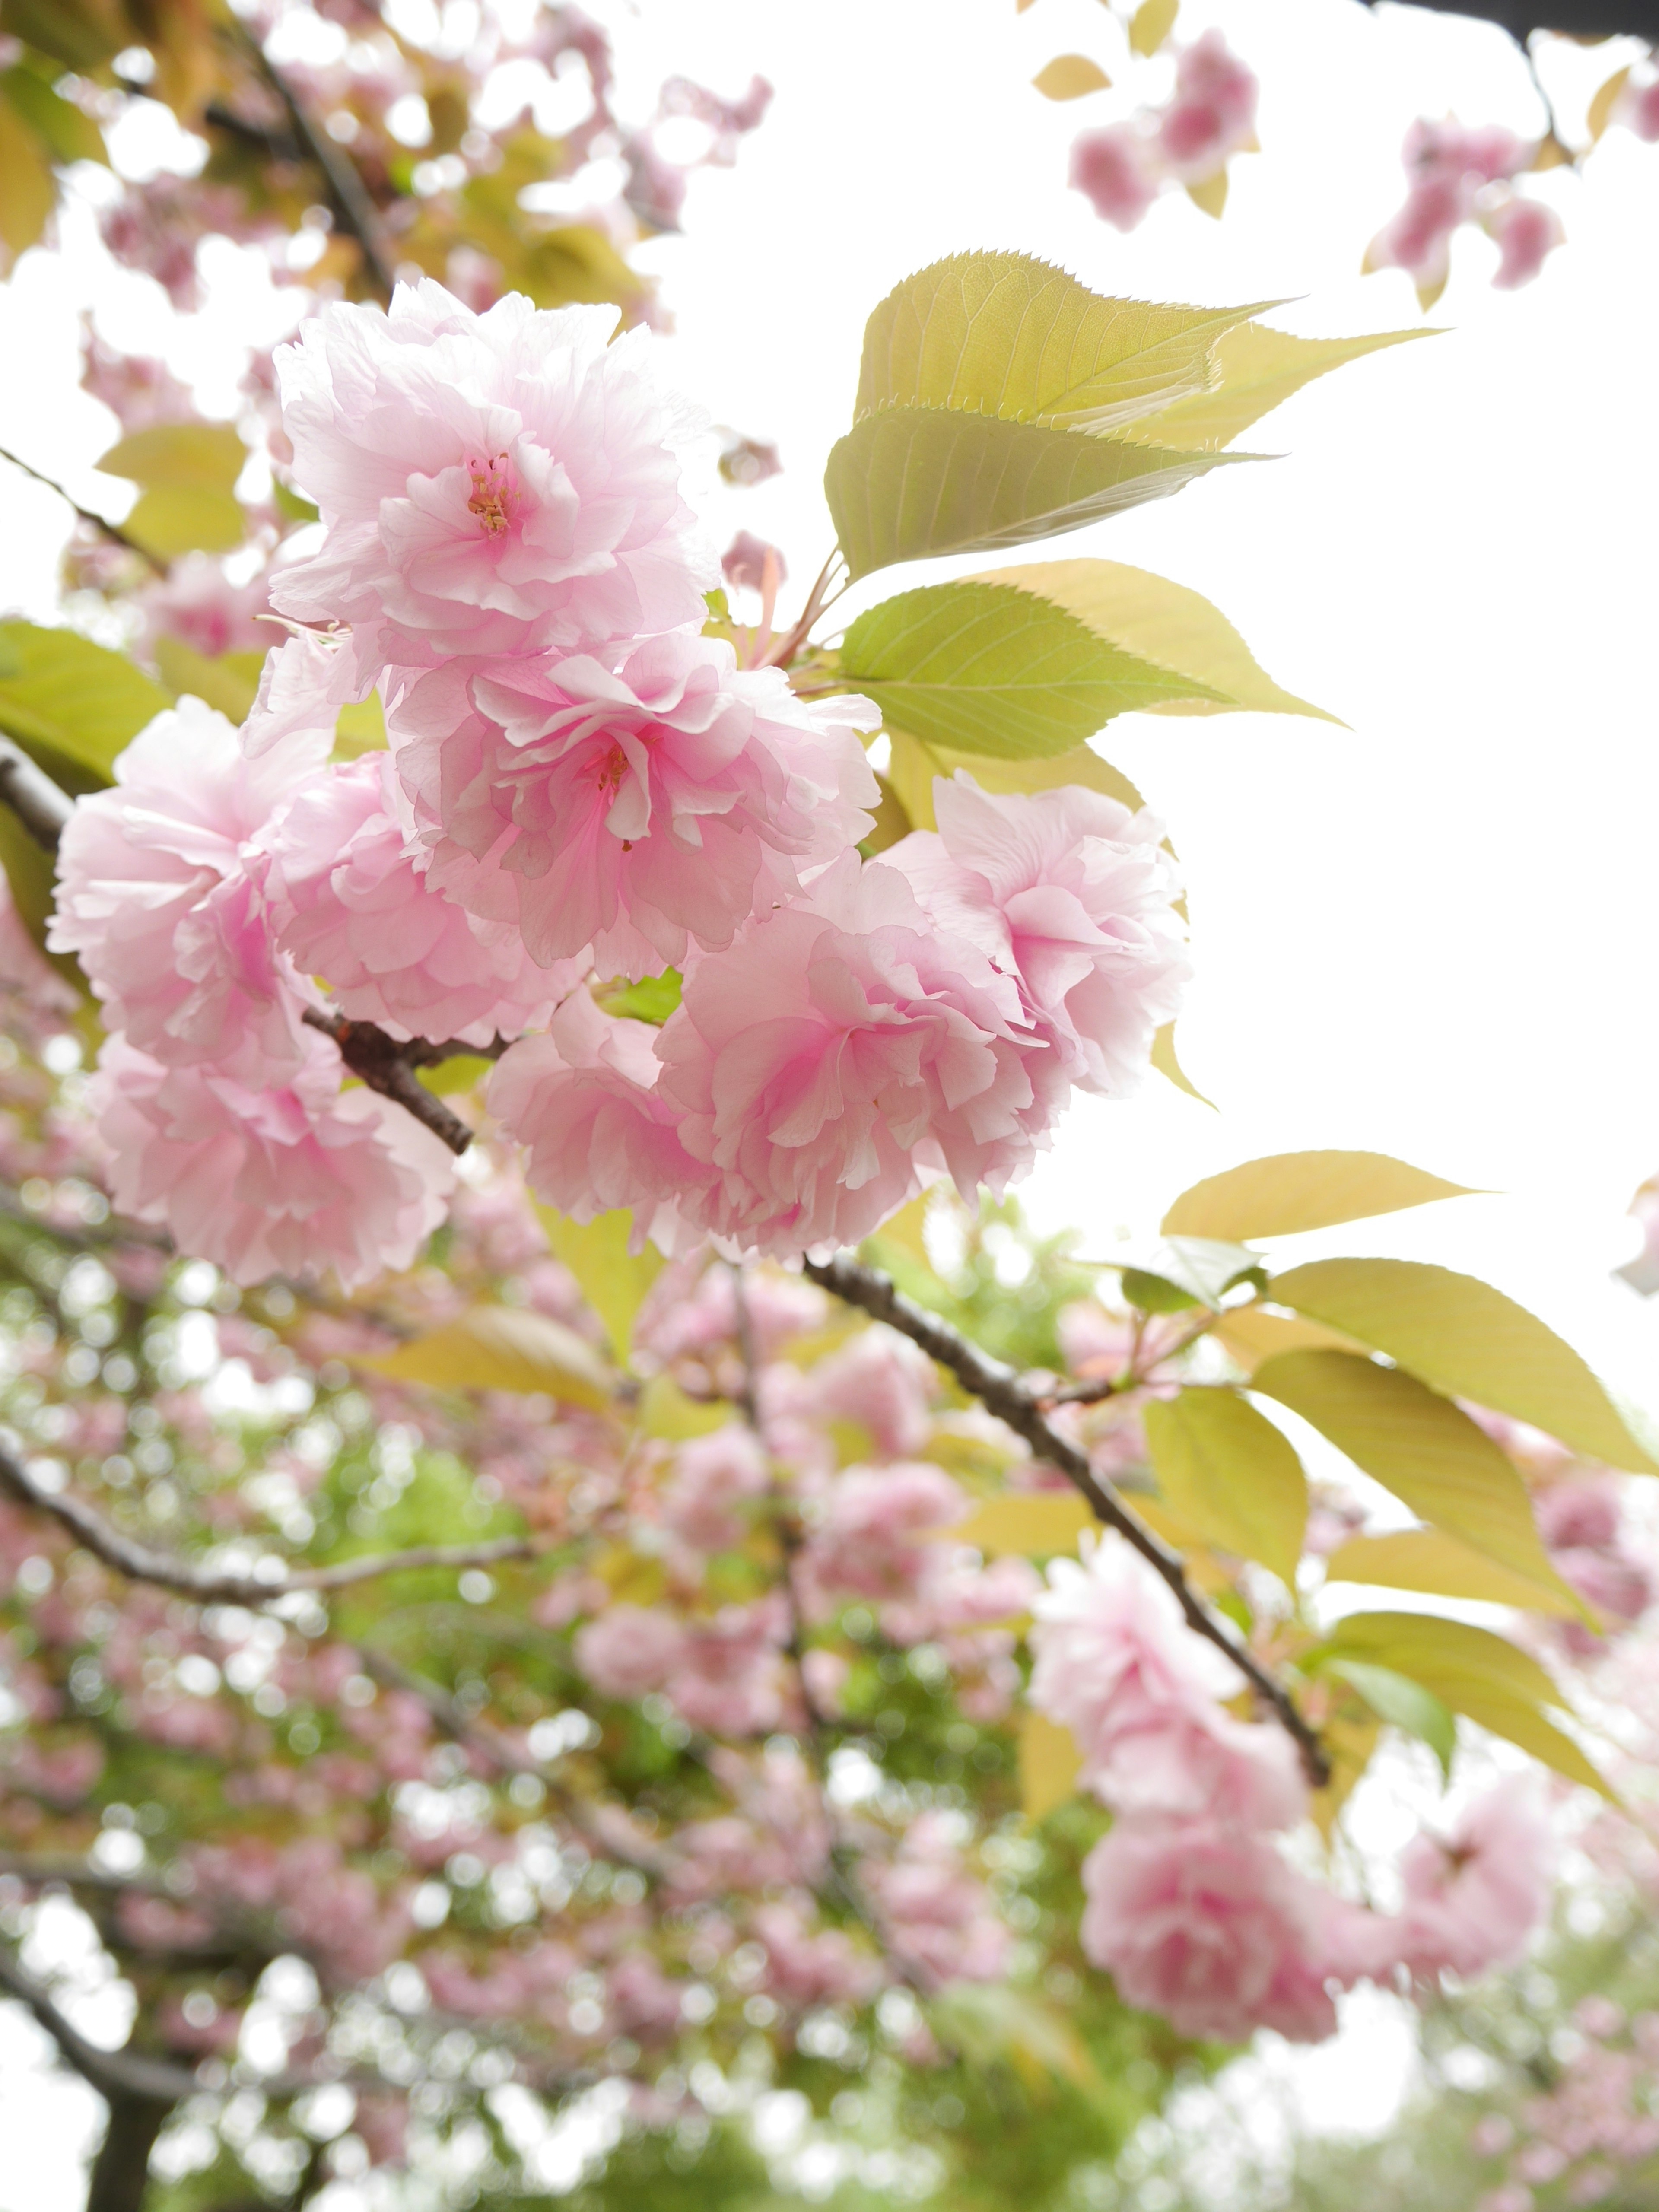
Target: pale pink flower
(1448, 166)
(714, 1478)
(1511, 2196)
(162, 893)
(812, 1966)
(302, 686)
(1526, 231)
(941, 1918)
(1213, 114)
(1583, 1513)
(506, 482)
(727, 1679)
(630, 1650)
(885, 1384)
(1073, 893)
(24, 968)
(196, 601)
(1141, 1693)
(355, 910)
(640, 810)
(875, 1537)
(1116, 169)
(1473, 1900)
(743, 561)
(1637, 108)
(1213, 1929)
(293, 1180)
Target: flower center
(493, 494)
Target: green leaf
(502, 1348)
(613, 1279)
(291, 504)
(1475, 1673)
(1151, 23)
(1289, 1192)
(190, 456)
(28, 190)
(446, 1078)
(1226, 1469)
(1251, 1334)
(913, 765)
(33, 877)
(1166, 624)
(891, 824)
(1048, 1763)
(1421, 1447)
(913, 482)
(81, 33)
(990, 2020)
(666, 1411)
(67, 133)
(71, 704)
(1256, 370)
(1027, 1523)
(985, 669)
(1071, 76)
(175, 519)
(1005, 335)
(227, 683)
(360, 728)
(1466, 1340)
(652, 999)
(1166, 1060)
(1407, 1704)
(1429, 1560)
(1204, 1268)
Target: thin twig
(113, 531)
(788, 647)
(1001, 1392)
(388, 1067)
(346, 190)
(211, 1586)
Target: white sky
(1433, 932)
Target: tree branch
(1001, 1392)
(33, 797)
(113, 531)
(115, 2074)
(209, 1586)
(1577, 19)
(389, 1068)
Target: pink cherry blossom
(1117, 168)
(630, 1650)
(806, 1967)
(355, 910)
(1473, 1900)
(302, 686)
(1448, 166)
(293, 1180)
(195, 601)
(1141, 1693)
(1526, 231)
(873, 1541)
(162, 893)
(885, 1384)
(1213, 114)
(1213, 1930)
(1637, 108)
(638, 810)
(714, 1478)
(1073, 893)
(506, 482)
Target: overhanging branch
(1001, 1392)
(1577, 19)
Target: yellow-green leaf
(910, 483)
(360, 728)
(913, 765)
(891, 824)
(666, 1411)
(1048, 1763)
(1210, 195)
(502, 1348)
(81, 33)
(1256, 370)
(990, 2020)
(989, 670)
(613, 1279)
(1008, 336)
(1166, 1060)
(1251, 1334)
(1029, 1524)
(28, 191)
(1227, 1470)
(1476, 1673)
(1600, 112)
(1289, 1192)
(1429, 1560)
(1468, 1340)
(1151, 23)
(1421, 1447)
(1406, 1704)
(72, 704)
(173, 519)
(1164, 622)
(227, 683)
(462, 1071)
(1070, 77)
(67, 133)
(191, 456)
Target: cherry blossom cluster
(1122, 167)
(578, 785)
(1458, 175)
(1193, 1905)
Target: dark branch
(209, 1587)
(1578, 19)
(1001, 1392)
(118, 2075)
(33, 797)
(387, 1066)
(113, 531)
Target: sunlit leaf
(1599, 113)
(1421, 1447)
(1150, 24)
(173, 518)
(988, 670)
(72, 704)
(502, 1348)
(81, 33)
(1048, 1763)
(228, 684)
(1406, 1704)
(990, 2020)
(613, 1279)
(1251, 1334)
(891, 823)
(1288, 1192)
(67, 133)
(1203, 1269)
(1029, 1523)
(910, 483)
(1166, 1060)
(28, 190)
(1210, 195)
(1070, 77)
(1164, 622)
(194, 456)
(360, 728)
(1256, 370)
(1008, 336)
(1226, 1468)
(651, 998)
(1429, 1560)
(666, 1411)
(1469, 1341)
(914, 766)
